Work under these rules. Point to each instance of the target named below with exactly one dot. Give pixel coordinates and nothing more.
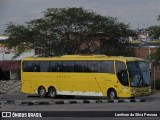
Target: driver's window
(121, 72)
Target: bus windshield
(139, 74)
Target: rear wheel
(52, 92)
(112, 94)
(42, 91)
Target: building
(144, 51)
(9, 67)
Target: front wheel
(112, 94)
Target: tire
(112, 94)
(52, 92)
(42, 92)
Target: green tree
(156, 56)
(154, 30)
(70, 31)
(158, 18)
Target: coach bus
(94, 75)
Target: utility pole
(154, 69)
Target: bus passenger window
(24, 66)
(65, 66)
(29, 67)
(36, 67)
(59, 67)
(94, 66)
(107, 67)
(68, 66)
(51, 67)
(44, 65)
(81, 66)
(121, 72)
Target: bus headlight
(149, 90)
(133, 91)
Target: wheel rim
(52, 93)
(42, 92)
(112, 95)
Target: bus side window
(24, 64)
(68, 66)
(77, 68)
(121, 72)
(65, 66)
(52, 67)
(29, 66)
(36, 67)
(81, 66)
(71, 66)
(94, 66)
(44, 65)
(108, 67)
(59, 67)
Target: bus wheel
(42, 91)
(52, 92)
(112, 94)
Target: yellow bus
(94, 75)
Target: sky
(139, 13)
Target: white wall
(7, 54)
(4, 56)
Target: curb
(156, 92)
(71, 102)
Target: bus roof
(84, 57)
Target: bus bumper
(140, 92)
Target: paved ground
(11, 99)
(153, 104)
